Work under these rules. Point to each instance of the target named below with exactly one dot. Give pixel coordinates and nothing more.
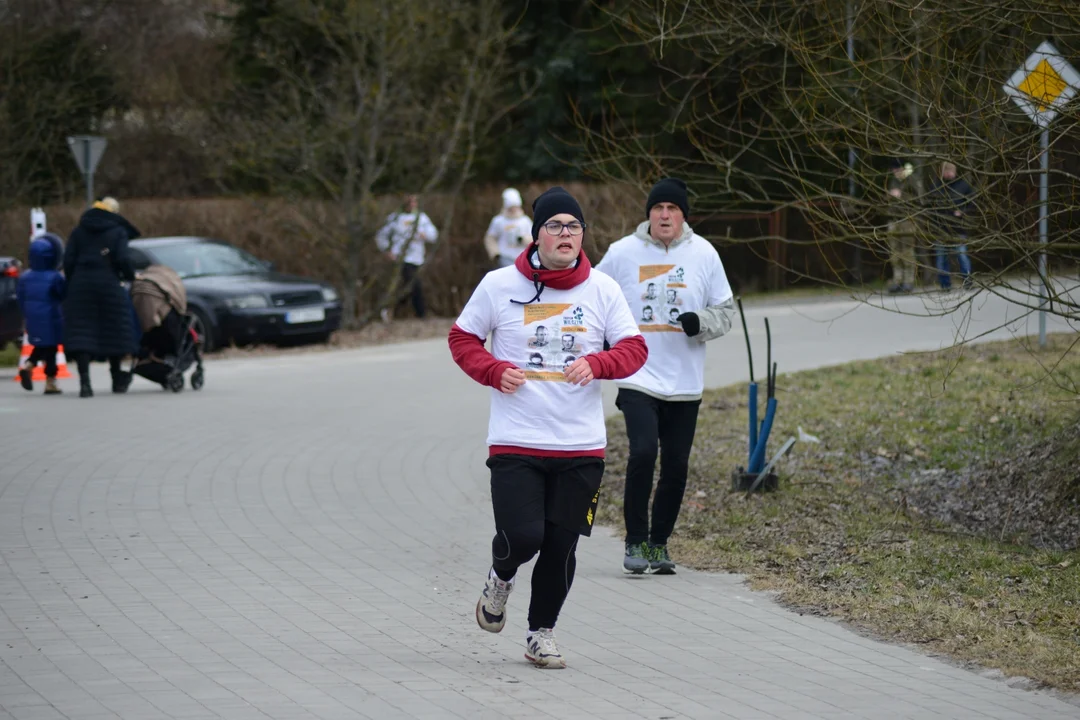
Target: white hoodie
(416, 229)
(660, 283)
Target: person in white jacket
(546, 432)
(675, 285)
(509, 232)
(408, 232)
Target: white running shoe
(541, 650)
(491, 608)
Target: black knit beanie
(672, 190)
(550, 203)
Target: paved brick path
(306, 537)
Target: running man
(546, 434)
(660, 402)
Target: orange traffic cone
(39, 369)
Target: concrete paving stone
(22, 698)
(307, 537)
(37, 712)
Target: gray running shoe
(660, 563)
(636, 560)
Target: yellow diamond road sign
(1044, 84)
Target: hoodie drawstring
(538, 284)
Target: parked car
(234, 296)
(11, 319)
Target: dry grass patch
(939, 507)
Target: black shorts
(562, 491)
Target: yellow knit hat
(108, 203)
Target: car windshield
(198, 259)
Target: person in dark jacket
(97, 309)
(951, 197)
(40, 293)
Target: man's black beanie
(550, 203)
(672, 190)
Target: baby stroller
(169, 344)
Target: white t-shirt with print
(660, 284)
(512, 234)
(412, 228)
(542, 338)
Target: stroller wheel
(197, 379)
(176, 382)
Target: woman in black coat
(97, 309)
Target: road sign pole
(857, 274)
(1042, 86)
(89, 175)
(1044, 187)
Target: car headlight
(247, 302)
(329, 294)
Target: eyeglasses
(555, 227)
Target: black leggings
(554, 571)
(542, 505)
(83, 361)
(47, 355)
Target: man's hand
(579, 373)
(895, 192)
(957, 213)
(512, 379)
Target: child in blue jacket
(40, 293)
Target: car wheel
(200, 322)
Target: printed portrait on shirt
(569, 343)
(664, 291)
(540, 339)
(558, 337)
